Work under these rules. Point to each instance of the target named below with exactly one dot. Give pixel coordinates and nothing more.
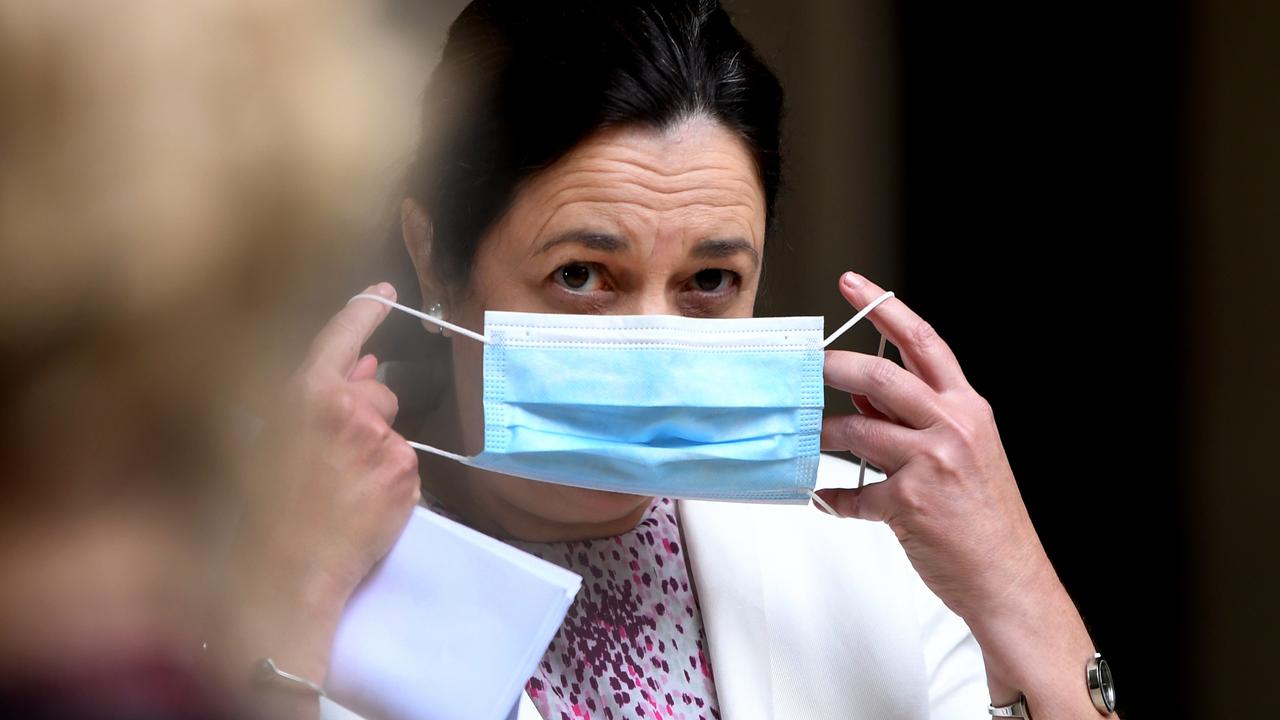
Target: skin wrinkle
(598, 189)
(666, 193)
(606, 212)
(628, 168)
(602, 242)
(709, 248)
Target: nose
(653, 300)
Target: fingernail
(385, 290)
(852, 280)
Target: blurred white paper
(451, 624)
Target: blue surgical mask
(712, 409)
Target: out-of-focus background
(1084, 200)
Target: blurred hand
(337, 489)
(951, 497)
(356, 480)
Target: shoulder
(800, 534)
(802, 592)
(802, 546)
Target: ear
(416, 228)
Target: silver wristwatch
(267, 674)
(1097, 675)
(1016, 710)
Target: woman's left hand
(951, 497)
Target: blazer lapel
(806, 615)
(728, 579)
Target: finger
(380, 397)
(337, 346)
(891, 389)
(864, 406)
(359, 441)
(881, 443)
(366, 369)
(923, 352)
(874, 410)
(870, 502)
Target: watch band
(1016, 710)
(267, 672)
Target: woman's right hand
(337, 489)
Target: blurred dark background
(1083, 200)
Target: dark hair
(521, 83)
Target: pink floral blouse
(632, 644)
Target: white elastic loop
(854, 320)
(429, 318)
(823, 504)
(437, 451)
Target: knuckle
(855, 428)
(907, 497)
(983, 409)
(975, 424)
(882, 373)
(345, 326)
(377, 430)
(874, 435)
(961, 429)
(401, 459)
(923, 334)
(336, 405)
(944, 457)
(365, 429)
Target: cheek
(468, 386)
(749, 290)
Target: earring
(436, 310)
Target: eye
(579, 277)
(713, 280)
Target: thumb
(366, 368)
(870, 502)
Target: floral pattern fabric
(632, 644)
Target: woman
(623, 159)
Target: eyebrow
(590, 240)
(710, 248)
(725, 247)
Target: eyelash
(734, 279)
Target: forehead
(696, 178)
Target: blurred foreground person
(171, 173)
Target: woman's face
(633, 221)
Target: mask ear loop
(429, 318)
(823, 504)
(862, 466)
(444, 324)
(852, 321)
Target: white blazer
(817, 618)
